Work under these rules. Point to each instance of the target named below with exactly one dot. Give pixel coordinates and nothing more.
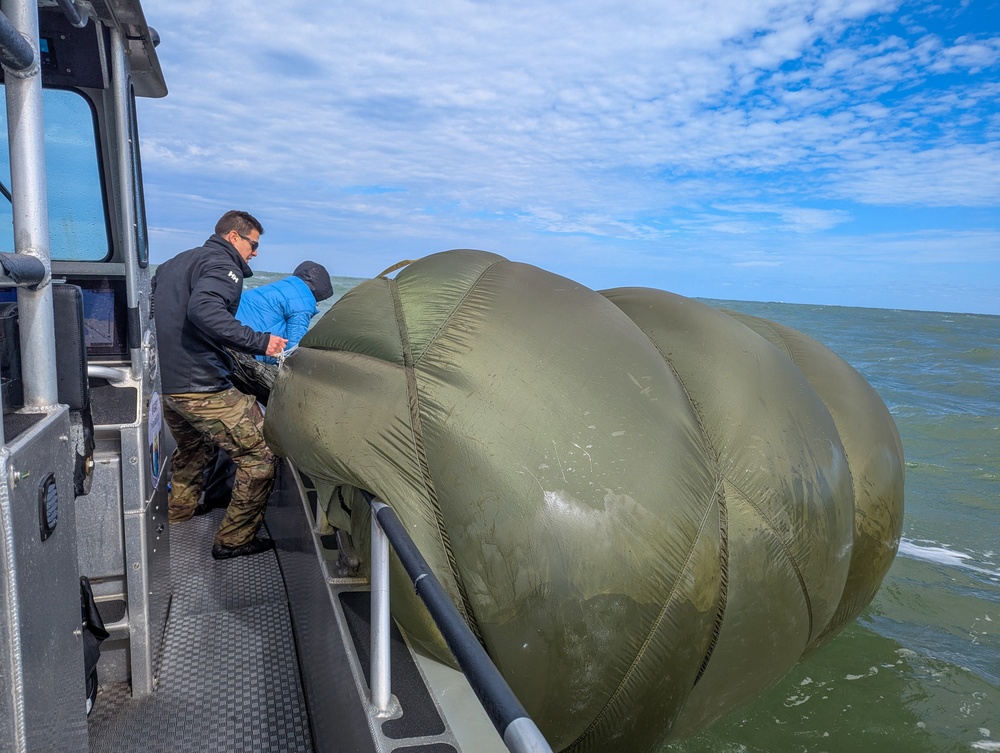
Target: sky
(842, 152)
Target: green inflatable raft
(647, 509)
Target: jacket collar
(217, 241)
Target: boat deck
(271, 653)
(229, 674)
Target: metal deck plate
(229, 680)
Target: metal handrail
(29, 200)
(16, 52)
(72, 13)
(520, 734)
(107, 372)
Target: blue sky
(839, 152)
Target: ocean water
(920, 668)
(340, 286)
(919, 671)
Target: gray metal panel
(100, 534)
(41, 661)
(134, 472)
(159, 589)
(128, 553)
(147, 552)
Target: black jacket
(195, 297)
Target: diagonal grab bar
(520, 734)
(72, 13)
(16, 52)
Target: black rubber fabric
(113, 405)
(420, 716)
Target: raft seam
(788, 555)
(784, 343)
(649, 635)
(720, 506)
(720, 613)
(850, 478)
(770, 327)
(854, 530)
(416, 432)
(454, 310)
(773, 328)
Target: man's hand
(275, 345)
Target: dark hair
(241, 222)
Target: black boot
(254, 546)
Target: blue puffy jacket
(283, 308)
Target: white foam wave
(941, 554)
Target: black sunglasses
(253, 244)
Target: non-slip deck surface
(229, 678)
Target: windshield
(77, 223)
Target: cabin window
(78, 229)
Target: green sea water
(920, 669)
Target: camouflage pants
(231, 420)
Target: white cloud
(635, 121)
(963, 175)
(517, 100)
(793, 218)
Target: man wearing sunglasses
(195, 298)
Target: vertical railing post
(30, 209)
(380, 677)
(519, 732)
(125, 154)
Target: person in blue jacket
(285, 307)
